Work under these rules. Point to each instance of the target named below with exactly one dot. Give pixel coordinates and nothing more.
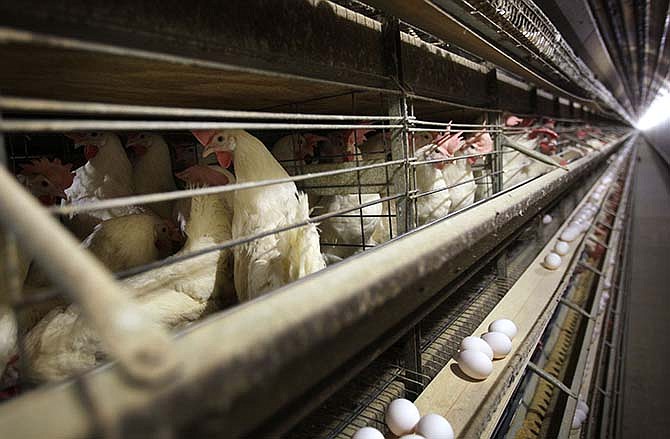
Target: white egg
(475, 364)
(576, 421)
(412, 436)
(402, 416)
(581, 415)
(547, 219)
(506, 326)
(477, 344)
(569, 234)
(581, 405)
(368, 433)
(561, 248)
(499, 342)
(552, 261)
(434, 426)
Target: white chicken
(107, 174)
(174, 295)
(388, 224)
(436, 202)
(296, 149)
(518, 167)
(272, 261)
(344, 235)
(152, 169)
(130, 241)
(458, 174)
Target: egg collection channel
(477, 353)
(580, 224)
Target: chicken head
(222, 143)
(166, 233)
(47, 180)
(480, 143)
(91, 142)
(140, 143)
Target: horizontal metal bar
(591, 268)
(530, 153)
(100, 108)
(277, 356)
(188, 193)
(52, 125)
(460, 157)
(423, 194)
(596, 240)
(576, 307)
(551, 379)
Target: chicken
(436, 202)
(378, 146)
(349, 229)
(62, 343)
(344, 235)
(296, 149)
(387, 226)
(130, 241)
(46, 180)
(342, 146)
(107, 174)
(458, 174)
(518, 167)
(275, 260)
(152, 169)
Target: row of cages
(199, 216)
(411, 364)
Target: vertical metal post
(497, 158)
(557, 107)
(532, 100)
(412, 361)
(397, 106)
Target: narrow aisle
(646, 383)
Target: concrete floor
(646, 403)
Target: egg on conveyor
(412, 436)
(433, 426)
(499, 342)
(368, 433)
(569, 234)
(547, 219)
(475, 364)
(402, 416)
(552, 261)
(561, 248)
(477, 344)
(581, 405)
(506, 326)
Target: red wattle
(225, 158)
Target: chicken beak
(208, 151)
